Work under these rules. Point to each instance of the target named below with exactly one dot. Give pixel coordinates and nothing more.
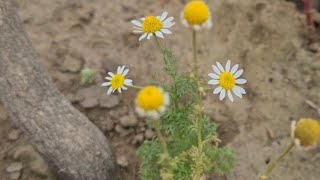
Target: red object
(308, 12)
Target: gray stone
(122, 161)
(129, 120)
(149, 134)
(39, 167)
(118, 112)
(14, 167)
(109, 101)
(89, 103)
(70, 64)
(14, 134)
(15, 175)
(122, 131)
(138, 139)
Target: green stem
(272, 165)
(199, 116)
(159, 135)
(194, 51)
(158, 42)
(135, 87)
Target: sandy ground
(267, 38)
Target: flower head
(151, 25)
(117, 81)
(151, 102)
(306, 133)
(196, 14)
(227, 80)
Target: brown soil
(267, 38)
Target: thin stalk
(160, 136)
(272, 165)
(199, 115)
(135, 87)
(158, 42)
(194, 52)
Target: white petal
(238, 73)
(128, 82)
(237, 91)
(240, 89)
(137, 31)
(122, 69)
(228, 65)
(137, 23)
(109, 90)
(137, 28)
(222, 94)
(220, 67)
(216, 69)
(119, 90)
(125, 72)
(106, 84)
(142, 19)
(168, 24)
(241, 81)
(124, 88)
(149, 35)
(143, 36)
(213, 82)
(234, 68)
(111, 74)
(168, 20)
(230, 96)
(164, 15)
(213, 75)
(108, 78)
(166, 31)
(159, 34)
(217, 90)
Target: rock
(105, 123)
(89, 103)
(3, 113)
(14, 167)
(39, 167)
(70, 64)
(122, 161)
(109, 101)
(138, 139)
(15, 175)
(118, 112)
(129, 120)
(149, 134)
(314, 47)
(122, 131)
(24, 152)
(14, 134)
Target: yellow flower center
(308, 132)
(151, 98)
(152, 24)
(117, 81)
(227, 81)
(196, 12)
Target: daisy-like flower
(227, 79)
(151, 102)
(196, 14)
(118, 81)
(306, 133)
(153, 25)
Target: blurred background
(269, 39)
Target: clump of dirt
(267, 38)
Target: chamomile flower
(305, 133)
(118, 81)
(227, 79)
(196, 14)
(153, 25)
(151, 101)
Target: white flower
(117, 81)
(151, 25)
(151, 102)
(227, 80)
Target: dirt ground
(267, 38)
